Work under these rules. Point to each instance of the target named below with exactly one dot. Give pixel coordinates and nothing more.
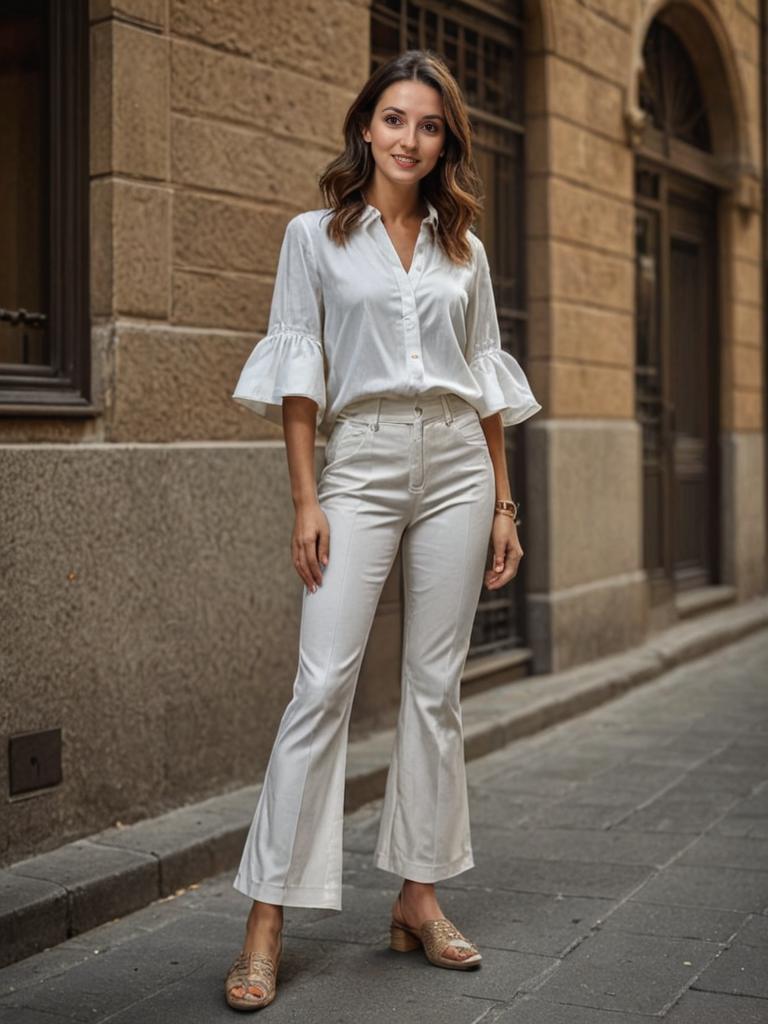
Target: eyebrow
(428, 117)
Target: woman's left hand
(506, 552)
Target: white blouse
(349, 322)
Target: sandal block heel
(401, 940)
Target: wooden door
(692, 390)
(676, 378)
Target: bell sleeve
(289, 359)
(499, 376)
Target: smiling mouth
(405, 161)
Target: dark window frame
(500, 626)
(63, 386)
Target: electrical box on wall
(34, 761)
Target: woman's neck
(395, 206)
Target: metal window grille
(482, 43)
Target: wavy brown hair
(453, 185)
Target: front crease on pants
(408, 474)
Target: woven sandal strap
(254, 965)
(442, 932)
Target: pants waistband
(406, 410)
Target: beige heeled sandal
(252, 970)
(434, 936)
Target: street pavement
(621, 876)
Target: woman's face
(409, 121)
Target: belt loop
(447, 412)
(378, 414)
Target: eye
(431, 124)
(386, 119)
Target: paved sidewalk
(71, 889)
(621, 875)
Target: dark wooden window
(483, 46)
(44, 316)
(670, 94)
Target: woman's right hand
(310, 543)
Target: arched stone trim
(539, 26)
(706, 38)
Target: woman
(383, 331)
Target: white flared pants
(416, 471)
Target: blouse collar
(370, 213)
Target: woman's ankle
(411, 888)
(265, 915)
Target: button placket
(413, 340)
(411, 331)
(410, 321)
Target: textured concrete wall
(150, 610)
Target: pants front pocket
(468, 427)
(346, 439)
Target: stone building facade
(149, 609)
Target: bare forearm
(299, 428)
(494, 435)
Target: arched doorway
(676, 321)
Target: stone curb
(51, 897)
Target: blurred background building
(151, 152)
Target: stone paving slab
(705, 923)
(34, 914)
(629, 972)
(677, 814)
(739, 971)
(573, 813)
(22, 1015)
(602, 846)
(742, 825)
(689, 885)
(727, 852)
(697, 1008)
(532, 1010)
(99, 882)
(194, 842)
(502, 872)
(754, 932)
(593, 920)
